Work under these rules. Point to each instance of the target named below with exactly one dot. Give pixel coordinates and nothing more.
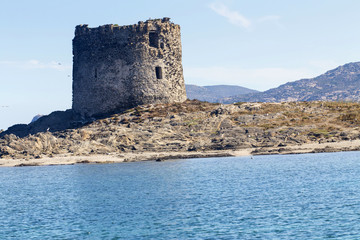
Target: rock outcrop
(195, 126)
(56, 121)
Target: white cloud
(240, 20)
(257, 78)
(35, 64)
(232, 16)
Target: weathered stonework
(119, 67)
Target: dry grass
(179, 126)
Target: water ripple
(312, 196)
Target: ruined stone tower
(119, 67)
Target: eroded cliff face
(119, 67)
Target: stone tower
(119, 67)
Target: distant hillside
(339, 84)
(215, 93)
(35, 118)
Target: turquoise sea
(310, 196)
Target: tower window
(158, 71)
(153, 39)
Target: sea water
(310, 196)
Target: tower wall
(119, 67)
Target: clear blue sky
(258, 44)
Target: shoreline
(352, 145)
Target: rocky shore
(192, 129)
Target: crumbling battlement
(83, 29)
(119, 67)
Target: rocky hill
(215, 93)
(193, 127)
(339, 84)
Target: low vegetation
(196, 126)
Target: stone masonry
(120, 67)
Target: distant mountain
(35, 118)
(215, 93)
(339, 84)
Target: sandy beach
(64, 159)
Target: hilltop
(339, 84)
(215, 93)
(193, 129)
